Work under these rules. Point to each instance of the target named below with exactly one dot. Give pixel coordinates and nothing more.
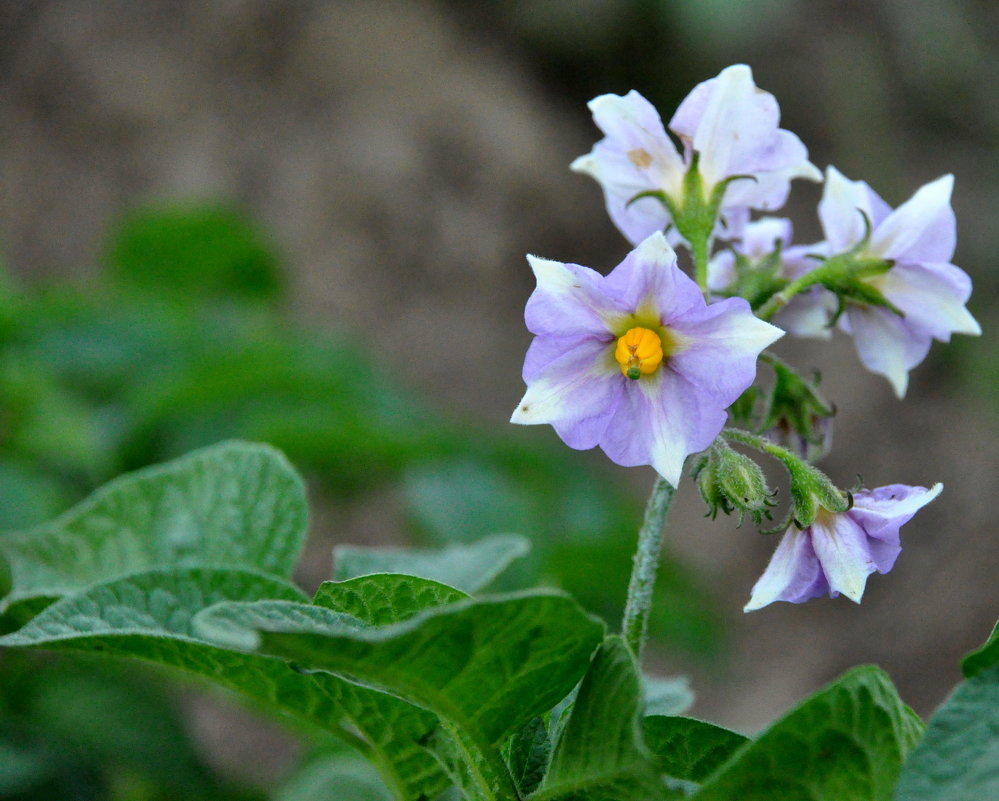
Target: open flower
(918, 240)
(636, 362)
(838, 551)
(727, 121)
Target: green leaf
(984, 657)
(527, 753)
(384, 598)
(689, 749)
(468, 568)
(237, 505)
(148, 616)
(600, 755)
(485, 666)
(845, 743)
(958, 760)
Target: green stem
(761, 444)
(646, 563)
(782, 298)
(699, 250)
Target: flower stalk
(646, 563)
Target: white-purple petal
(885, 344)
(576, 385)
(793, 573)
(721, 342)
(932, 296)
(883, 510)
(921, 229)
(840, 210)
(842, 549)
(650, 280)
(636, 155)
(659, 421)
(569, 299)
(733, 125)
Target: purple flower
(808, 313)
(838, 551)
(636, 362)
(918, 238)
(727, 120)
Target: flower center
(639, 352)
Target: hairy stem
(646, 563)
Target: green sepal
(794, 405)
(732, 482)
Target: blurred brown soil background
(406, 155)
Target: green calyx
(732, 482)
(695, 213)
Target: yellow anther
(639, 352)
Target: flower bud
(733, 482)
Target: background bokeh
(379, 170)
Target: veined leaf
(958, 760)
(468, 568)
(148, 616)
(600, 755)
(485, 666)
(689, 749)
(845, 743)
(237, 505)
(384, 598)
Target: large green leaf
(600, 755)
(468, 568)
(845, 743)
(148, 616)
(237, 505)
(485, 667)
(958, 760)
(688, 749)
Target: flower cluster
(650, 364)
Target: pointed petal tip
(584, 165)
(809, 172)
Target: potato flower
(637, 361)
(838, 551)
(729, 124)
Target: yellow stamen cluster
(639, 352)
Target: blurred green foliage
(185, 342)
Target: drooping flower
(636, 361)
(917, 239)
(727, 121)
(768, 261)
(838, 551)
